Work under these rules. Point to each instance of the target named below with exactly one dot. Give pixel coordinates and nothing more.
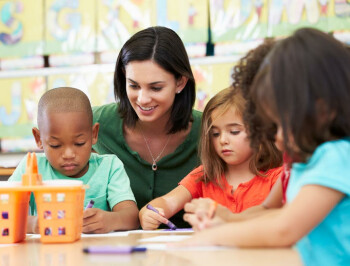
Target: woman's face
(151, 90)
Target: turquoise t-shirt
(329, 242)
(106, 177)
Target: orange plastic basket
(60, 210)
(60, 206)
(14, 203)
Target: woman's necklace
(154, 164)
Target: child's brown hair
(304, 83)
(213, 165)
(243, 76)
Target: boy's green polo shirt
(147, 184)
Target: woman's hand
(151, 220)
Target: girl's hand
(151, 220)
(202, 207)
(205, 213)
(199, 224)
(96, 221)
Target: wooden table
(33, 252)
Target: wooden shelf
(5, 173)
(47, 71)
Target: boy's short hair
(64, 99)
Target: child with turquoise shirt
(303, 87)
(66, 134)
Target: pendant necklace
(154, 164)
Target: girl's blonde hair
(266, 157)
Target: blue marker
(169, 224)
(90, 205)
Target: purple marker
(90, 205)
(113, 249)
(169, 224)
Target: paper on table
(121, 233)
(167, 238)
(160, 231)
(161, 246)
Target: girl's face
(229, 137)
(151, 90)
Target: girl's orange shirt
(246, 195)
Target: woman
(153, 128)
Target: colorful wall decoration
(118, 20)
(326, 15)
(253, 19)
(70, 26)
(18, 105)
(210, 79)
(21, 28)
(189, 18)
(97, 86)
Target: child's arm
(167, 205)
(281, 227)
(197, 211)
(32, 225)
(124, 216)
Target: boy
(66, 134)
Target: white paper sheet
(165, 238)
(121, 233)
(159, 246)
(160, 231)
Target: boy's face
(67, 139)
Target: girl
(152, 128)
(232, 174)
(311, 112)
(243, 75)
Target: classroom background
(46, 44)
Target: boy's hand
(96, 221)
(151, 220)
(33, 225)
